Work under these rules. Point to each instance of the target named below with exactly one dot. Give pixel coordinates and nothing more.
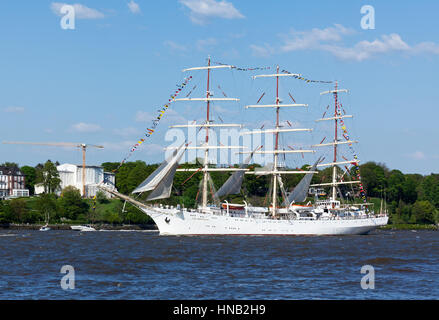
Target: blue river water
(144, 265)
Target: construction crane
(82, 146)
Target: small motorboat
(82, 228)
(45, 228)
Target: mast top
(208, 67)
(277, 75)
(334, 91)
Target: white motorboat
(44, 228)
(82, 228)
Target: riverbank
(407, 226)
(14, 226)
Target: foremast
(275, 172)
(207, 125)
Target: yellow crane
(83, 146)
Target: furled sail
(300, 191)
(234, 183)
(155, 178)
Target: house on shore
(12, 183)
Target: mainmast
(206, 152)
(275, 172)
(276, 146)
(207, 125)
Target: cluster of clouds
(330, 40)
(200, 11)
(84, 12)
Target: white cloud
(86, 127)
(202, 10)
(175, 46)
(331, 40)
(143, 116)
(81, 11)
(301, 40)
(417, 155)
(366, 49)
(426, 47)
(13, 109)
(261, 51)
(206, 44)
(134, 7)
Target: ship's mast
(207, 125)
(276, 146)
(334, 167)
(335, 144)
(206, 152)
(275, 172)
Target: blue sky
(103, 82)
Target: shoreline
(431, 227)
(14, 226)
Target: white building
(71, 175)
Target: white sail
(159, 174)
(163, 189)
(234, 183)
(301, 190)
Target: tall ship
(286, 213)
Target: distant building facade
(12, 183)
(71, 175)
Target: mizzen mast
(336, 118)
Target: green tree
(424, 211)
(110, 166)
(6, 215)
(136, 216)
(71, 204)
(409, 188)
(429, 189)
(49, 177)
(47, 205)
(373, 176)
(395, 185)
(10, 165)
(30, 174)
(19, 209)
(101, 197)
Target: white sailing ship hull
(181, 222)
